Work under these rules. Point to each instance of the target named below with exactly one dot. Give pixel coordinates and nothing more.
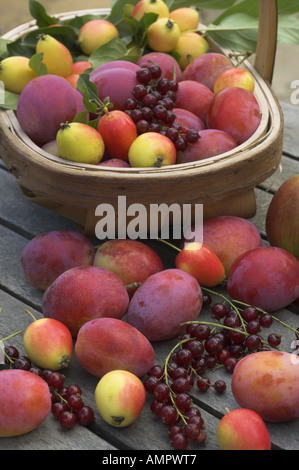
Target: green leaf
(38, 12)
(237, 32)
(10, 100)
(81, 117)
(287, 7)
(288, 30)
(112, 50)
(3, 47)
(89, 91)
(37, 65)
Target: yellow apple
(95, 33)
(190, 45)
(120, 397)
(163, 35)
(80, 142)
(187, 18)
(57, 57)
(150, 6)
(152, 149)
(15, 73)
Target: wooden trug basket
(223, 184)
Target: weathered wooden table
(20, 221)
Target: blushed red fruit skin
(195, 97)
(232, 432)
(202, 263)
(163, 302)
(235, 111)
(206, 68)
(25, 402)
(212, 142)
(117, 84)
(188, 119)
(82, 294)
(266, 277)
(107, 344)
(267, 383)
(46, 102)
(118, 131)
(166, 62)
(229, 237)
(131, 260)
(50, 254)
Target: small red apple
(152, 150)
(118, 131)
(201, 262)
(243, 429)
(48, 343)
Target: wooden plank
(290, 140)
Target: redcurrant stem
(31, 314)
(13, 334)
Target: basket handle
(267, 39)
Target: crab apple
(118, 131)
(232, 431)
(206, 68)
(95, 33)
(236, 111)
(48, 343)
(235, 77)
(195, 97)
(189, 46)
(80, 142)
(163, 35)
(48, 255)
(267, 277)
(115, 82)
(105, 344)
(163, 303)
(211, 142)
(150, 6)
(201, 262)
(120, 398)
(152, 149)
(15, 73)
(169, 66)
(131, 260)
(229, 237)
(83, 293)
(25, 402)
(282, 219)
(188, 119)
(57, 57)
(186, 18)
(46, 102)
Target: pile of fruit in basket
(160, 100)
